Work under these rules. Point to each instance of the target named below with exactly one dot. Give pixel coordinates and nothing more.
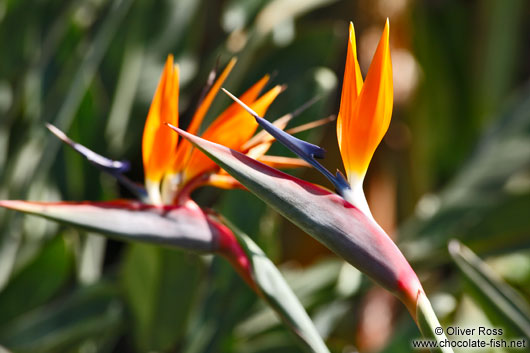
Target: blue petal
(305, 150)
(302, 148)
(108, 165)
(105, 163)
(114, 168)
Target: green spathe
(185, 227)
(326, 216)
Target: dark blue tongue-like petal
(305, 150)
(107, 164)
(114, 168)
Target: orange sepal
(223, 181)
(248, 97)
(158, 142)
(230, 131)
(184, 149)
(281, 162)
(351, 87)
(207, 102)
(362, 125)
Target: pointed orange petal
(259, 150)
(230, 131)
(364, 126)
(280, 162)
(248, 97)
(207, 102)
(184, 149)
(158, 141)
(223, 181)
(351, 87)
(311, 125)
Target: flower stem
(429, 325)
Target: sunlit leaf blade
(504, 306)
(90, 313)
(46, 274)
(326, 216)
(277, 293)
(184, 227)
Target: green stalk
(430, 327)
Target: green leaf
(276, 292)
(161, 286)
(45, 275)
(90, 313)
(185, 227)
(501, 303)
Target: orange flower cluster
(172, 167)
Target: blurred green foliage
(458, 153)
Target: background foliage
(455, 164)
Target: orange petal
(364, 123)
(280, 162)
(158, 141)
(351, 87)
(207, 102)
(259, 150)
(310, 125)
(248, 97)
(223, 181)
(230, 131)
(184, 148)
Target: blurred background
(455, 164)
